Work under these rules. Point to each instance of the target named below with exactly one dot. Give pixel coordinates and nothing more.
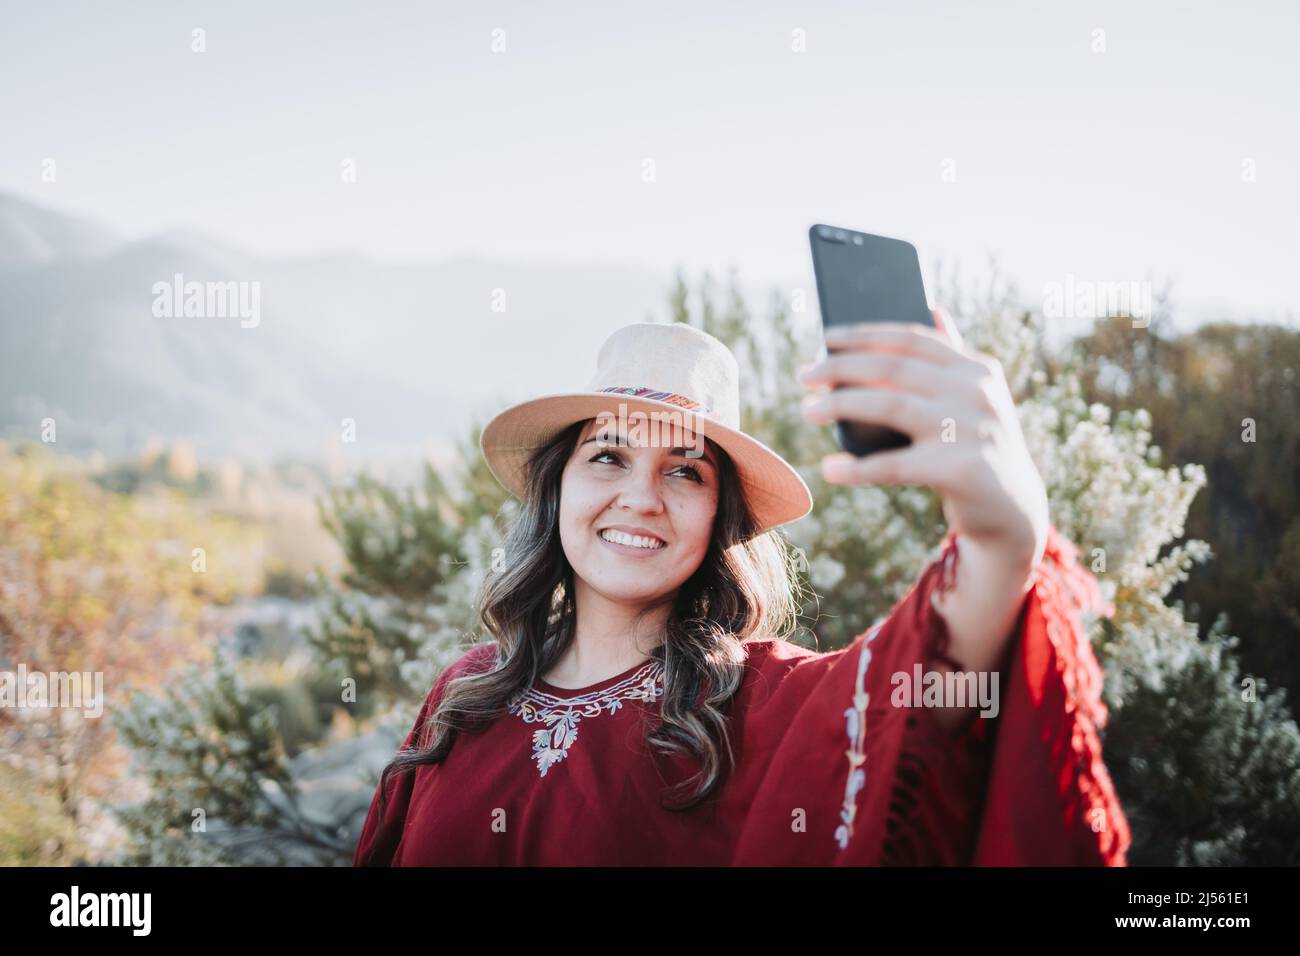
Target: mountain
(407, 349)
(31, 235)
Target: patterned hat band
(672, 398)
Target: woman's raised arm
(967, 444)
(849, 759)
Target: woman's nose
(640, 490)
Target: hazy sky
(1115, 165)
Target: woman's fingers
(908, 413)
(921, 463)
(908, 338)
(874, 369)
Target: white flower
(825, 572)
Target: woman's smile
(634, 545)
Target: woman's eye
(691, 470)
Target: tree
(93, 582)
(1223, 396)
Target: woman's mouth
(630, 544)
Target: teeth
(635, 540)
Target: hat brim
(775, 492)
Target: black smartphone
(866, 278)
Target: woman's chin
(630, 588)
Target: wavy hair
(744, 588)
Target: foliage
(219, 789)
(1223, 396)
(92, 581)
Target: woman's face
(656, 490)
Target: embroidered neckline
(546, 688)
(561, 715)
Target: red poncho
(828, 771)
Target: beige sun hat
(668, 372)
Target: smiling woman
(640, 702)
(635, 524)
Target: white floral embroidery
(561, 714)
(856, 725)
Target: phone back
(866, 278)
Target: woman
(639, 703)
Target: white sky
(1112, 166)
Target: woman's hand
(956, 407)
(966, 444)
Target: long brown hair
(744, 588)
